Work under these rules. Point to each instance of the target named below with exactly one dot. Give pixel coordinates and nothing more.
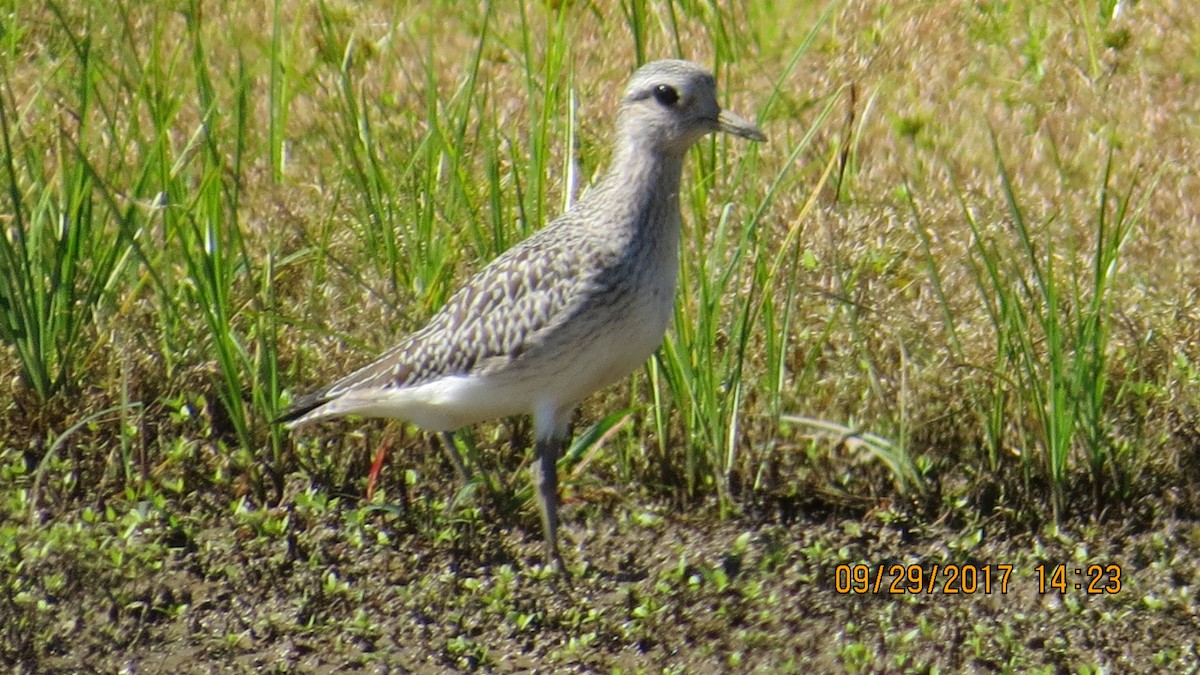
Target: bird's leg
(545, 483)
(455, 458)
(377, 466)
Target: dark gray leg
(545, 485)
(455, 458)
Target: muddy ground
(326, 585)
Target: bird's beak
(730, 122)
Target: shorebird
(575, 307)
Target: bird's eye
(666, 94)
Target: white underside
(441, 405)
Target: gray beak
(730, 122)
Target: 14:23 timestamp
(1092, 579)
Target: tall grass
(228, 287)
(120, 212)
(65, 249)
(738, 292)
(1050, 394)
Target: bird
(575, 307)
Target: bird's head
(670, 104)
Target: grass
(67, 249)
(1052, 328)
(946, 315)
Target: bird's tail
(301, 407)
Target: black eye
(666, 94)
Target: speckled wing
(507, 308)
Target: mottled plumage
(575, 307)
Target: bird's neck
(640, 184)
